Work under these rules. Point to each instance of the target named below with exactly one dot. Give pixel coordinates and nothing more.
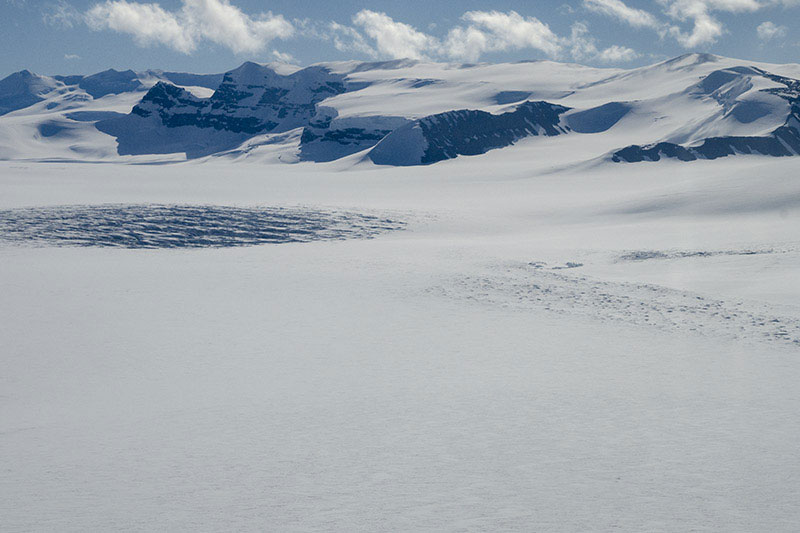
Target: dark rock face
(637, 154)
(785, 141)
(250, 100)
(466, 132)
(170, 119)
(782, 142)
(254, 99)
(329, 145)
(177, 107)
(476, 132)
(278, 103)
(209, 81)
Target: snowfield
(402, 296)
(406, 113)
(535, 346)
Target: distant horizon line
(409, 61)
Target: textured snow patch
(183, 226)
(537, 286)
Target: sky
(208, 36)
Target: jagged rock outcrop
(785, 141)
(251, 100)
(466, 132)
(328, 138)
(209, 81)
(403, 112)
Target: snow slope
(412, 113)
(53, 118)
(590, 349)
(534, 338)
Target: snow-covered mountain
(403, 112)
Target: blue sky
(84, 36)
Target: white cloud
(485, 31)
(60, 14)
(769, 30)
(693, 21)
(217, 21)
(733, 5)
(705, 27)
(481, 32)
(617, 54)
(147, 23)
(225, 24)
(344, 38)
(466, 44)
(582, 47)
(394, 39)
(71, 56)
(616, 8)
(372, 33)
(566, 9)
(493, 31)
(348, 39)
(283, 57)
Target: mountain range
(407, 113)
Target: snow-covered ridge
(408, 112)
(746, 95)
(466, 132)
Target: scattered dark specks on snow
(568, 264)
(644, 255)
(531, 286)
(183, 226)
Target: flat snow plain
(596, 348)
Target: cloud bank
(479, 33)
(690, 23)
(637, 18)
(217, 21)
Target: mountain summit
(695, 106)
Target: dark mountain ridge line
(784, 141)
(254, 100)
(467, 132)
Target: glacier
(403, 296)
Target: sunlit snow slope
(403, 112)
